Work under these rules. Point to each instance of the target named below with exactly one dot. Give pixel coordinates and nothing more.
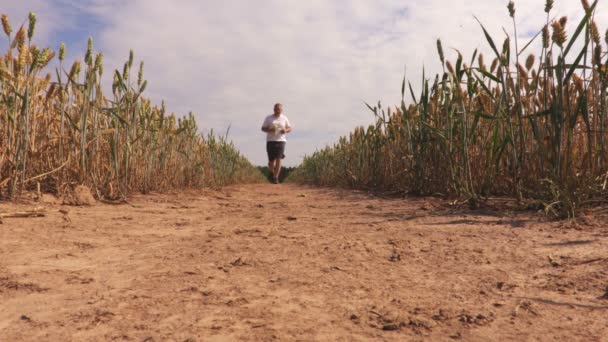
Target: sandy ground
(267, 262)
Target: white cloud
(230, 61)
(18, 11)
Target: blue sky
(230, 61)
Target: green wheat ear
(34, 51)
(140, 74)
(115, 82)
(511, 8)
(75, 70)
(130, 58)
(548, 6)
(99, 63)
(440, 51)
(46, 57)
(62, 52)
(597, 55)
(143, 87)
(88, 57)
(32, 25)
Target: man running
(276, 127)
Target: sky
(229, 61)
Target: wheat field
(529, 126)
(58, 128)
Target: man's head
(278, 109)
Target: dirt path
(267, 262)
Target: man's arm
(287, 128)
(266, 126)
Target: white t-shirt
(281, 123)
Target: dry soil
(283, 262)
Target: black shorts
(275, 150)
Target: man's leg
(277, 168)
(271, 168)
(279, 161)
